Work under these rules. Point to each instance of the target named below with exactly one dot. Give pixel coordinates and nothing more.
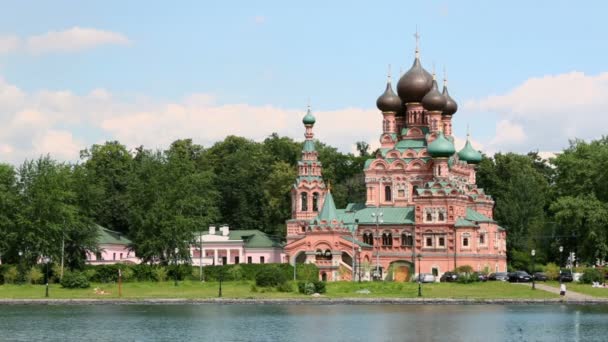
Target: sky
(528, 76)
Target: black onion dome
(434, 100)
(450, 105)
(415, 83)
(388, 101)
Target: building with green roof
(423, 209)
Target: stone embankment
(312, 300)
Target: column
(215, 257)
(228, 256)
(241, 260)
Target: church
(423, 212)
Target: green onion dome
(450, 105)
(415, 83)
(308, 119)
(388, 101)
(469, 154)
(434, 100)
(441, 147)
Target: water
(216, 322)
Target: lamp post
(176, 250)
(46, 260)
(221, 275)
(419, 256)
(533, 284)
(20, 268)
(561, 249)
(378, 218)
(359, 263)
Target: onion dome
(450, 105)
(434, 100)
(308, 119)
(441, 147)
(388, 101)
(469, 154)
(415, 83)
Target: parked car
(448, 277)
(479, 276)
(519, 277)
(565, 276)
(540, 276)
(502, 276)
(425, 278)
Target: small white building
(226, 247)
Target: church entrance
(400, 271)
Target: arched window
(465, 242)
(441, 242)
(410, 240)
(368, 239)
(441, 216)
(315, 201)
(388, 196)
(407, 239)
(304, 201)
(429, 216)
(403, 240)
(387, 239)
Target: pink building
(113, 248)
(423, 209)
(225, 247)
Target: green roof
(390, 215)
(110, 237)
(461, 222)
(475, 216)
(328, 212)
(410, 143)
(308, 119)
(254, 238)
(309, 146)
(469, 154)
(441, 147)
(357, 242)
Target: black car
(448, 277)
(540, 276)
(565, 276)
(479, 276)
(519, 277)
(502, 276)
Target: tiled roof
(106, 236)
(461, 222)
(357, 242)
(475, 216)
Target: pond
(287, 322)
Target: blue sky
(263, 58)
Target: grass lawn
(582, 288)
(195, 289)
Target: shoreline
(311, 301)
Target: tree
(9, 206)
(107, 169)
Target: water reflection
(214, 322)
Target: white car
(425, 278)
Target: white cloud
(59, 144)
(74, 39)
(542, 113)
(9, 44)
(259, 19)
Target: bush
(236, 272)
(35, 275)
(75, 280)
(10, 275)
(285, 287)
(269, 277)
(552, 271)
(591, 275)
(309, 288)
(160, 274)
(464, 269)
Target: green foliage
(269, 277)
(591, 275)
(35, 276)
(464, 269)
(236, 272)
(11, 275)
(552, 271)
(160, 274)
(285, 287)
(75, 280)
(310, 287)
